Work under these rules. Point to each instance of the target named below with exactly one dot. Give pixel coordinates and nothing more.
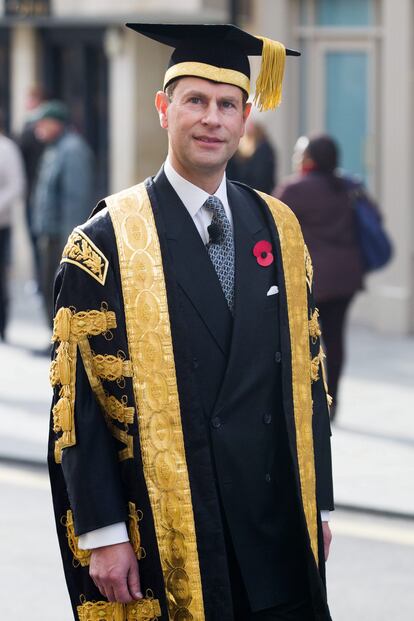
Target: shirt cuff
(106, 536)
(325, 515)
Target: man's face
(205, 121)
(48, 130)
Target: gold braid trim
(80, 557)
(110, 405)
(314, 329)
(118, 410)
(309, 268)
(135, 516)
(147, 609)
(82, 252)
(315, 368)
(111, 367)
(161, 440)
(68, 328)
(292, 247)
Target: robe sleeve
(89, 417)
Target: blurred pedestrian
(32, 149)
(254, 162)
(12, 184)
(63, 192)
(320, 198)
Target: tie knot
(215, 204)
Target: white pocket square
(273, 290)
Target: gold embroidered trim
(208, 72)
(111, 367)
(315, 368)
(156, 396)
(135, 516)
(85, 323)
(314, 329)
(82, 252)
(292, 246)
(309, 268)
(80, 557)
(68, 328)
(111, 406)
(147, 609)
(118, 410)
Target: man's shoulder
(271, 201)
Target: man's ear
(246, 113)
(162, 103)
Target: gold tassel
(62, 415)
(63, 361)
(270, 80)
(62, 325)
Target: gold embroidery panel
(82, 252)
(294, 253)
(146, 609)
(156, 394)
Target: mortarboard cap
(219, 52)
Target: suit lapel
(191, 263)
(251, 285)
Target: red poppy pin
(263, 253)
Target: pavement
(372, 442)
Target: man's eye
(195, 100)
(228, 104)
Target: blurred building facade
(354, 80)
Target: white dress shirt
(193, 199)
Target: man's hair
(170, 88)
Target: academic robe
(194, 427)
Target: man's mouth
(208, 139)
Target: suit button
(278, 356)
(268, 478)
(195, 363)
(267, 418)
(216, 422)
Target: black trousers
(299, 609)
(333, 321)
(4, 266)
(50, 252)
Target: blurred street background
(354, 81)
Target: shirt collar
(191, 195)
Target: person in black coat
(320, 198)
(254, 162)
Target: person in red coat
(320, 199)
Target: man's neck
(207, 181)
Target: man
(63, 191)
(32, 149)
(187, 463)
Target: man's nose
(211, 115)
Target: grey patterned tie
(222, 252)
